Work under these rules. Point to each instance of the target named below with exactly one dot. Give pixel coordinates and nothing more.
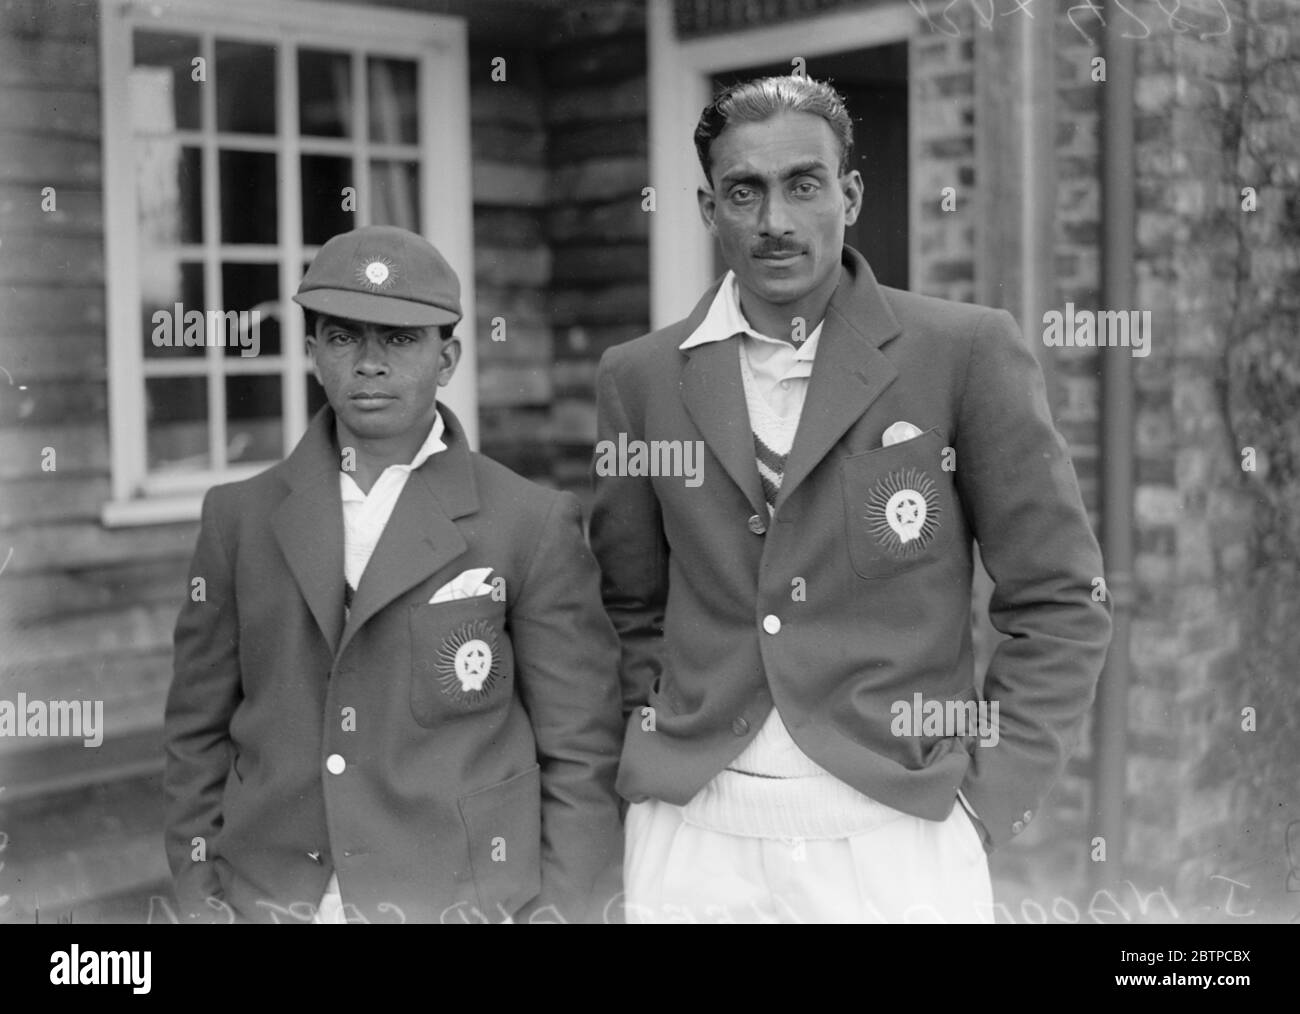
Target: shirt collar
(726, 319)
(433, 443)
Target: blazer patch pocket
(461, 659)
(503, 827)
(899, 506)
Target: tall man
(805, 741)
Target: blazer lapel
(421, 536)
(849, 373)
(715, 398)
(308, 524)
(714, 395)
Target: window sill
(156, 510)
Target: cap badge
(467, 662)
(903, 511)
(376, 273)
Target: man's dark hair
(445, 331)
(761, 99)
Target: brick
(510, 185)
(574, 378)
(611, 221)
(608, 59)
(503, 266)
(603, 139)
(1154, 572)
(592, 341)
(508, 227)
(510, 384)
(524, 145)
(1150, 709)
(596, 20)
(616, 304)
(600, 179)
(943, 272)
(605, 263)
(519, 307)
(589, 103)
(505, 103)
(528, 342)
(575, 422)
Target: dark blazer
(689, 575)
(451, 806)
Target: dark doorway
(874, 85)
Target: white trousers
(903, 871)
(330, 910)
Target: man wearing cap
(395, 699)
(805, 740)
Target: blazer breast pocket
(462, 662)
(899, 506)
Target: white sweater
(773, 789)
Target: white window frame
(680, 85)
(439, 45)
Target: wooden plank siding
(86, 612)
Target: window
(237, 139)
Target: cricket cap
(381, 274)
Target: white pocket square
(466, 585)
(899, 432)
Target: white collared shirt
(366, 515)
(781, 369)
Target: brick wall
(512, 257)
(941, 92)
(1217, 570)
(594, 67)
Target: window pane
(248, 197)
(176, 421)
(169, 193)
(393, 100)
(395, 187)
(164, 95)
(323, 180)
(324, 93)
(245, 87)
(253, 429)
(252, 287)
(165, 282)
